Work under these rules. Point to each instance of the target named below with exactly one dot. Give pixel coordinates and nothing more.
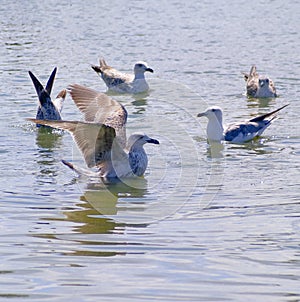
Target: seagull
(236, 132)
(100, 137)
(258, 86)
(48, 109)
(121, 82)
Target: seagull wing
(95, 141)
(252, 86)
(242, 132)
(113, 77)
(51, 81)
(99, 108)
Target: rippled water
(207, 223)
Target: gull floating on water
(236, 132)
(48, 109)
(258, 86)
(121, 82)
(100, 138)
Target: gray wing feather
(245, 131)
(94, 140)
(99, 108)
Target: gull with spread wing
(48, 109)
(236, 132)
(101, 138)
(122, 82)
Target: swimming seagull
(122, 82)
(258, 86)
(100, 138)
(48, 109)
(236, 132)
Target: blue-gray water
(205, 224)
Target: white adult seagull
(100, 137)
(236, 132)
(122, 82)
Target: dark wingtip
(51, 81)
(262, 117)
(68, 164)
(37, 84)
(96, 68)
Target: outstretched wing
(99, 108)
(95, 141)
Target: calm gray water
(218, 223)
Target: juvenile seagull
(48, 109)
(122, 82)
(100, 138)
(258, 86)
(236, 132)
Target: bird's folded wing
(114, 77)
(94, 140)
(241, 132)
(252, 86)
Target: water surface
(207, 223)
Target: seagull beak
(152, 141)
(149, 69)
(201, 114)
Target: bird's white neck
(139, 76)
(215, 129)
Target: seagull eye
(267, 80)
(213, 110)
(140, 65)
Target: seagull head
(212, 113)
(137, 140)
(141, 67)
(264, 82)
(214, 128)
